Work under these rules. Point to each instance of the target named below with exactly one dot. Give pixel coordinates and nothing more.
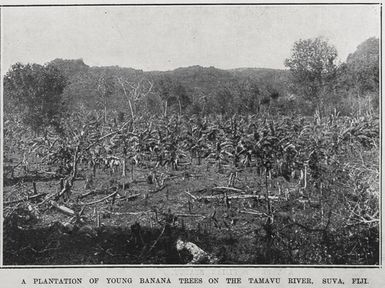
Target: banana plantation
(172, 189)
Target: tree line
(314, 82)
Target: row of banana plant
(321, 154)
(279, 147)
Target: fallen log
(25, 199)
(228, 189)
(259, 197)
(63, 208)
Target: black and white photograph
(191, 134)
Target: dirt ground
(143, 222)
(104, 231)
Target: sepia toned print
(208, 135)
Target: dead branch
(86, 194)
(82, 210)
(49, 197)
(253, 212)
(190, 215)
(100, 200)
(126, 213)
(158, 190)
(66, 186)
(191, 195)
(131, 197)
(75, 164)
(157, 240)
(12, 169)
(362, 222)
(41, 251)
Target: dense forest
(348, 88)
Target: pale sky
(164, 37)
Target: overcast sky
(164, 38)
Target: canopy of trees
(35, 92)
(363, 67)
(351, 87)
(314, 79)
(312, 65)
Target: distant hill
(197, 80)
(192, 77)
(206, 90)
(208, 79)
(205, 79)
(257, 72)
